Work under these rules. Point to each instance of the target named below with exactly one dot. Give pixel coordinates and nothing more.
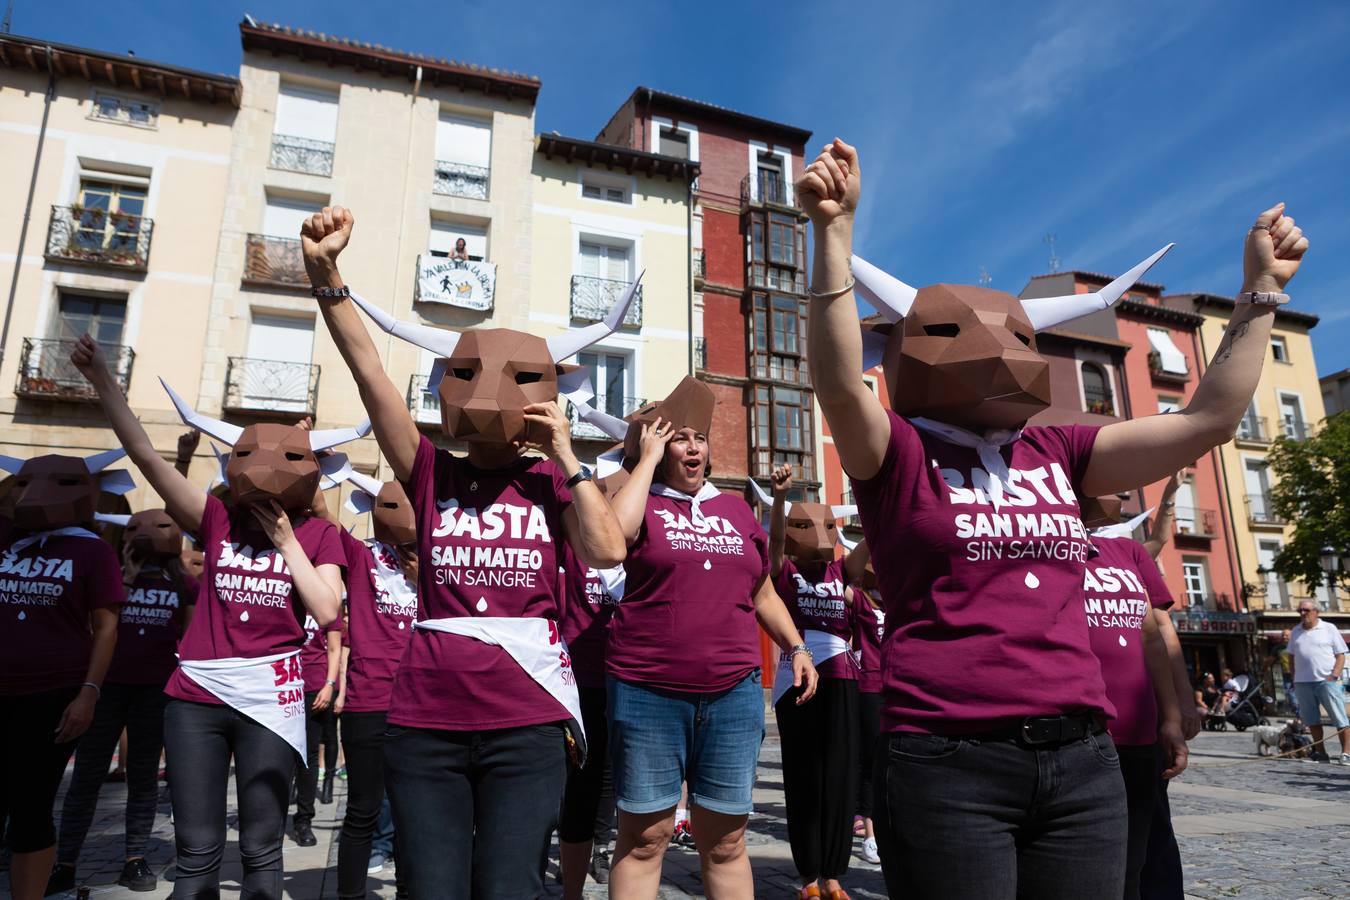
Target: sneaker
(600, 867)
(61, 880)
(342, 772)
(303, 834)
(1320, 756)
(684, 835)
(1345, 759)
(869, 851)
(137, 876)
(376, 864)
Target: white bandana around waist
(986, 446)
(267, 689)
(537, 648)
(705, 493)
(392, 579)
(41, 537)
(822, 645)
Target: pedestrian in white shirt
(1317, 652)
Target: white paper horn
(360, 502)
(112, 518)
(221, 431)
(763, 496)
(1047, 312)
(440, 341)
(118, 481)
(848, 545)
(887, 294)
(11, 464)
(614, 427)
(572, 342)
(331, 437)
(843, 512)
(222, 460)
(100, 461)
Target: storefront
(1213, 641)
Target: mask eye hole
(389, 506)
(294, 457)
(22, 482)
(528, 377)
(1026, 340)
(67, 482)
(830, 526)
(242, 453)
(463, 374)
(942, 329)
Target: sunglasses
(1304, 612)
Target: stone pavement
(1248, 828)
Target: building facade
(1336, 392)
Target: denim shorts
(660, 739)
(1327, 695)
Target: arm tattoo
(1239, 330)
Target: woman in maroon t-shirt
(870, 618)
(973, 521)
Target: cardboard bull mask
(390, 511)
(966, 355)
(812, 529)
(1098, 512)
(55, 491)
(486, 377)
(689, 405)
(150, 532)
(270, 461)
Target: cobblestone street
(1248, 828)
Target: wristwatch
(583, 474)
(1262, 298)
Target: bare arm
(781, 478)
(1160, 532)
(328, 693)
(829, 193)
(855, 563)
(1181, 681)
(187, 446)
(1140, 451)
(323, 237)
(341, 700)
(1336, 668)
(776, 621)
(630, 503)
(1170, 736)
(77, 716)
(184, 501)
(319, 587)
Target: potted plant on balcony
(1101, 408)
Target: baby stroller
(1246, 707)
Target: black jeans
(320, 728)
(475, 810)
(363, 742)
(869, 727)
(1161, 878)
(965, 819)
(139, 708)
(200, 738)
(31, 765)
(577, 823)
(1139, 771)
(820, 751)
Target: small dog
(1295, 740)
(1267, 738)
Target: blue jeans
(661, 739)
(1324, 694)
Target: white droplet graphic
(1031, 581)
(1123, 642)
(243, 616)
(22, 615)
(707, 564)
(141, 631)
(482, 605)
(400, 626)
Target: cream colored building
(602, 215)
(119, 167)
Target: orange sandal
(840, 894)
(809, 892)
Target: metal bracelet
(331, 293)
(801, 648)
(830, 295)
(98, 691)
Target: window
(609, 380)
(101, 316)
(769, 178)
(1291, 415)
(304, 130)
(275, 373)
(1097, 390)
(1168, 404)
(782, 240)
(124, 110)
(1196, 581)
(673, 142)
(1257, 482)
(1251, 427)
(1279, 350)
(782, 431)
(671, 138)
(463, 156)
(282, 217)
(779, 349)
(445, 234)
(1165, 357)
(607, 187)
(108, 214)
(1277, 592)
(606, 261)
(1184, 512)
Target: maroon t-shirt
(47, 593)
(1121, 586)
(148, 628)
(487, 544)
(381, 617)
(985, 621)
(314, 653)
(687, 619)
(816, 598)
(246, 608)
(585, 624)
(871, 622)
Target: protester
(962, 809)
(1317, 652)
(320, 662)
(159, 603)
(871, 621)
(60, 588)
(236, 695)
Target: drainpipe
(689, 260)
(28, 207)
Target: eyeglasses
(1304, 612)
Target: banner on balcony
(455, 282)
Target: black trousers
(31, 766)
(1161, 878)
(820, 753)
(200, 739)
(967, 819)
(578, 820)
(474, 811)
(320, 728)
(869, 728)
(139, 708)
(1139, 770)
(363, 743)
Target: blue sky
(982, 126)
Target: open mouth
(693, 467)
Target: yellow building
(119, 167)
(1288, 402)
(603, 214)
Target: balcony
(1193, 522)
(1253, 430)
(271, 386)
(298, 154)
(766, 188)
(274, 262)
(1260, 512)
(614, 406)
(700, 353)
(1155, 368)
(853, 521)
(700, 265)
(592, 298)
(424, 404)
(46, 372)
(1295, 429)
(460, 180)
(777, 278)
(95, 237)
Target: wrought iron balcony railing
(1194, 522)
(46, 372)
(460, 180)
(425, 405)
(1295, 429)
(1155, 368)
(96, 237)
(299, 154)
(766, 187)
(271, 385)
(700, 353)
(700, 265)
(615, 406)
(592, 298)
(1253, 430)
(274, 262)
(1260, 512)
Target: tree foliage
(1313, 493)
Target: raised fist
(87, 356)
(781, 479)
(1273, 252)
(828, 190)
(187, 443)
(324, 234)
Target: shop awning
(1172, 359)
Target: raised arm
(630, 503)
(1160, 532)
(855, 563)
(1140, 451)
(184, 501)
(781, 478)
(322, 238)
(187, 446)
(319, 587)
(829, 192)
